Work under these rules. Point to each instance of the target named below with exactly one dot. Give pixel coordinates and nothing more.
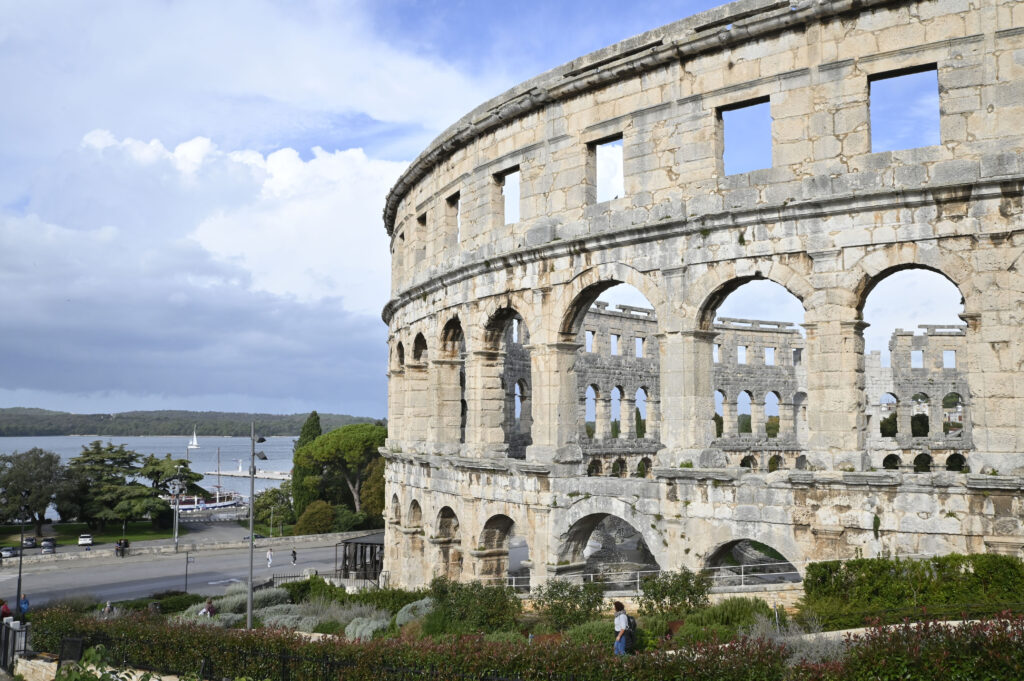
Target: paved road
(210, 572)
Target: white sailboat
(194, 444)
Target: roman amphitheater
(535, 431)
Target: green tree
(341, 456)
(36, 471)
(639, 424)
(274, 504)
(719, 424)
(887, 426)
(372, 494)
(302, 492)
(160, 472)
(317, 519)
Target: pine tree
(301, 494)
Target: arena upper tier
(500, 246)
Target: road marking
(224, 581)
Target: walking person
(621, 628)
(23, 605)
(270, 557)
(294, 556)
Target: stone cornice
(716, 29)
(809, 209)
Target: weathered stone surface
(488, 448)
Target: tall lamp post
(21, 549)
(252, 536)
(176, 488)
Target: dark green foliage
(371, 495)
(310, 431)
(40, 474)
(335, 465)
(346, 519)
(719, 424)
(919, 425)
(639, 423)
(303, 494)
(299, 591)
(673, 592)
(594, 632)
(849, 593)
(743, 422)
(274, 503)
(391, 600)
(771, 426)
(20, 422)
(170, 602)
(329, 628)
(318, 519)
(562, 604)
(470, 607)
(615, 429)
(887, 426)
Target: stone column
(686, 390)
(555, 407)
(627, 418)
(835, 377)
(418, 402)
(443, 428)
(904, 409)
(486, 399)
(757, 420)
(729, 425)
(653, 430)
(787, 420)
(602, 417)
(396, 404)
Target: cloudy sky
(190, 191)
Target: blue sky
(190, 192)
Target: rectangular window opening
(639, 347)
(615, 343)
(741, 354)
(917, 359)
(798, 356)
(589, 342)
(714, 352)
(769, 357)
(904, 108)
(746, 136)
(610, 180)
(455, 215)
(509, 181)
(949, 359)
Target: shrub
(472, 606)
(508, 637)
(673, 593)
(363, 628)
(391, 600)
(562, 604)
(298, 591)
(594, 632)
(267, 597)
(346, 519)
(318, 518)
(413, 611)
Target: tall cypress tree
(300, 495)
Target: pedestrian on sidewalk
(23, 605)
(294, 556)
(270, 557)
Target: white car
(85, 540)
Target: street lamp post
(21, 549)
(176, 489)
(252, 536)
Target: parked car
(9, 552)
(49, 548)
(28, 543)
(85, 540)
(255, 535)
(48, 541)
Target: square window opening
(917, 359)
(610, 180)
(904, 109)
(741, 354)
(949, 359)
(746, 136)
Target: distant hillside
(23, 422)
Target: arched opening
(914, 345)
(617, 331)
(619, 469)
(644, 469)
(450, 421)
(888, 424)
(956, 463)
(419, 348)
(448, 539)
(594, 468)
(640, 414)
(396, 510)
(590, 409)
(743, 425)
(508, 334)
(745, 562)
(952, 415)
(503, 557)
(415, 514)
(775, 463)
(755, 349)
(400, 354)
(919, 415)
(605, 548)
(771, 415)
(748, 462)
(923, 463)
(892, 462)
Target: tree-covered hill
(24, 422)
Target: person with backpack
(625, 629)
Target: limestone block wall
(828, 220)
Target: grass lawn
(264, 529)
(67, 533)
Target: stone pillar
(729, 425)
(757, 420)
(787, 420)
(835, 377)
(653, 430)
(627, 418)
(417, 405)
(555, 407)
(686, 390)
(603, 417)
(904, 409)
(396, 404)
(444, 426)
(935, 417)
(485, 435)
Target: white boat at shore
(196, 503)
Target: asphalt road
(209, 572)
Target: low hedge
(391, 600)
(991, 650)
